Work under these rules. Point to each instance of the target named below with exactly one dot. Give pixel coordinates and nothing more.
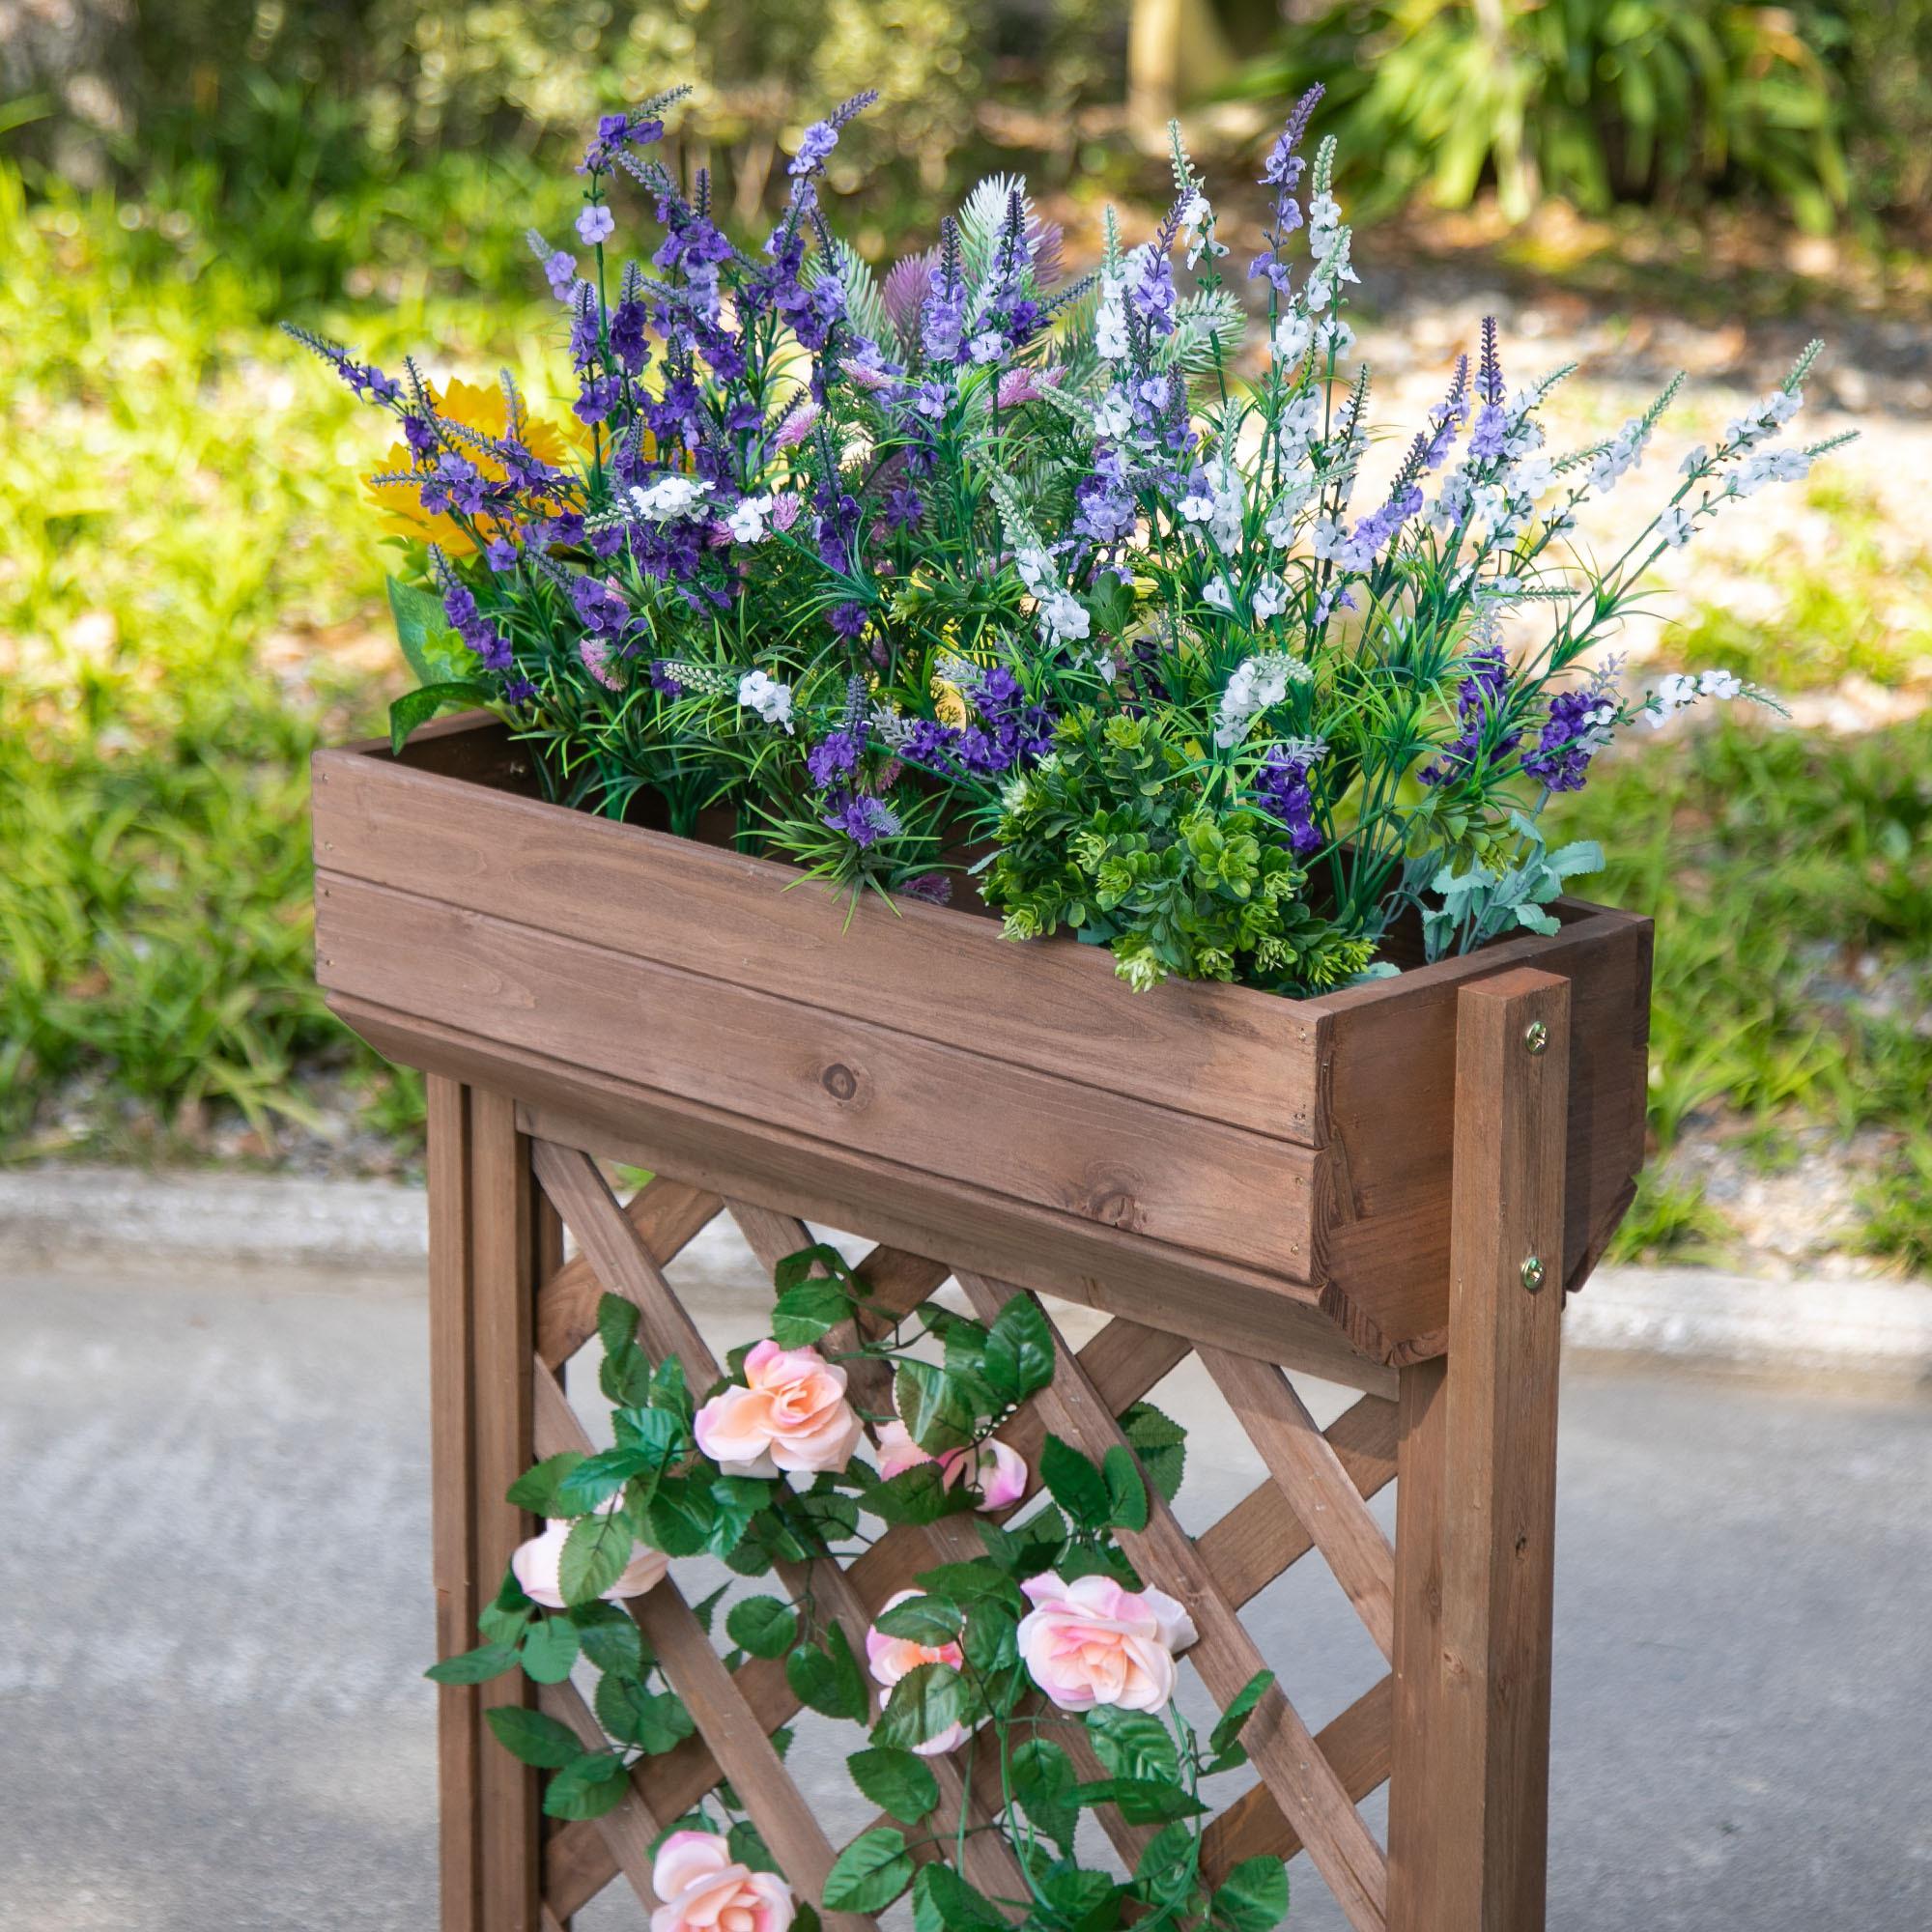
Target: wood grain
(631, 1828)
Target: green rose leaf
(895, 1781)
(1084, 1900)
(474, 1667)
(763, 1626)
(988, 1640)
(536, 1489)
(587, 1787)
(941, 1898)
(923, 1703)
(1133, 1743)
(616, 1322)
(594, 1555)
(1075, 1483)
(1162, 1852)
(532, 1737)
(1160, 1443)
(937, 1409)
(609, 1637)
(804, 1314)
(869, 1873)
(635, 1715)
(1144, 1802)
(596, 1480)
(971, 1583)
(827, 1679)
(1018, 1359)
(680, 1517)
(1043, 1783)
(1221, 1739)
(928, 1620)
(1127, 1494)
(749, 1848)
(550, 1650)
(418, 707)
(917, 1495)
(821, 1261)
(1253, 1897)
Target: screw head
(1532, 1274)
(1535, 1037)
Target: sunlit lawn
(189, 601)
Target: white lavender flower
(1219, 596)
(1292, 333)
(750, 519)
(1110, 321)
(1270, 598)
(1674, 527)
(1255, 684)
(669, 499)
(1680, 690)
(767, 696)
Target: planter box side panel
(1389, 1087)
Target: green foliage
(896, 1780)
(1594, 101)
(1119, 838)
(869, 1873)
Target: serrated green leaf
(536, 1489)
(1160, 1443)
(1127, 1494)
(549, 1649)
(827, 1677)
(953, 1903)
(970, 1583)
(923, 1703)
(587, 1787)
(1142, 1800)
(1018, 1359)
(749, 1848)
(1229, 1728)
(1133, 1743)
(1075, 1483)
(804, 1314)
(917, 1495)
(763, 1625)
(937, 1409)
(594, 1555)
(609, 1637)
(474, 1667)
(895, 1781)
(680, 1519)
(596, 1479)
(532, 1737)
(635, 1715)
(616, 1322)
(1253, 1897)
(925, 1620)
(869, 1873)
(1043, 1783)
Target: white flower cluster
(750, 519)
(1061, 616)
(1620, 455)
(1766, 421)
(1197, 230)
(669, 499)
(1767, 465)
(1216, 506)
(1110, 320)
(767, 696)
(1683, 689)
(1256, 684)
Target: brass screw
(1536, 1035)
(1532, 1274)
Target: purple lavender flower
(459, 605)
(1479, 697)
(849, 620)
(815, 145)
(1574, 731)
(500, 554)
(596, 224)
(862, 818)
(1283, 173)
(943, 315)
(1286, 792)
(934, 888)
(904, 510)
(599, 605)
(833, 758)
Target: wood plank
(630, 1829)
(1385, 1252)
(1262, 1536)
(1304, 1464)
(1487, 1816)
(845, 1081)
(668, 1215)
(1356, 1744)
(576, 1866)
(505, 1237)
(1304, 1782)
(1225, 1052)
(452, 1499)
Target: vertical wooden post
(1469, 1791)
(452, 1492)
(509, 1231)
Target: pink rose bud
(890, 1657)
(997, 1470)
(704, 1889)
(1092, 1642)
(790, 1414)
(538, 1566)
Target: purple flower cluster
(1286, 791)
(1283, 173)
(1478, 698)
(861, 817)
(1010, 733)
(459, 605)
(640, 128)
(1486, 439)
(1573, 733)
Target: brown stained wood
(1262, 1536)
(1221, 1051)
(1415, 1778)
(1319, 1489)
(1304, 1782)
(1356, 1744)
(577, 1865)
(841, 1079)
(667, 1216)
(453, 1496)
(1390, 1085)
(506, 1235)
(630, 1829)
(777, 1808)
(1485, 1819)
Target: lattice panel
(1315, 1498)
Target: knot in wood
(840, 1081)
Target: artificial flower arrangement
(974, 572)
(993, 1659)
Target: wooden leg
(1470, 1793)
(509, 1232)
(452, 1497)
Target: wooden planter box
(1377, 1188)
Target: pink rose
(704, 1890)
(538, 1565)
(891, 1656)
(790, 1414)
(997, 1471)
(1092, 1642)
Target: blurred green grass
(190, 601)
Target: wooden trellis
(1459, 1604)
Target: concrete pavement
(215, 1610)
